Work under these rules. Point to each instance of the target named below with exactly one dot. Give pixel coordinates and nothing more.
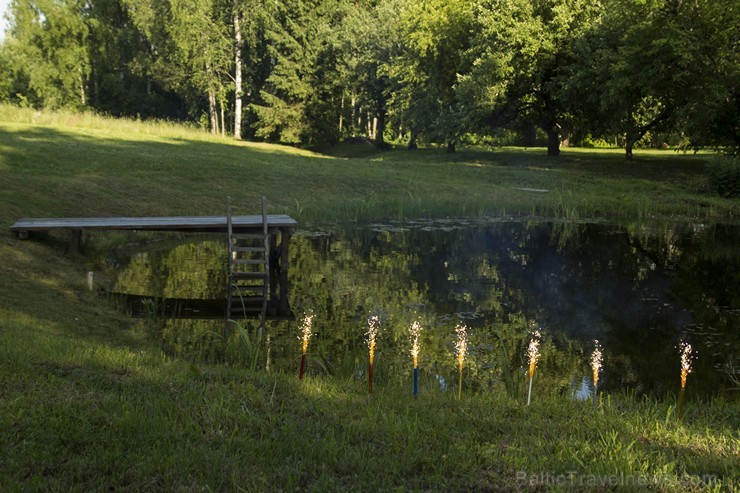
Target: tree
(519, 49)
(50, 51)
(297, 99)
(655, 65)
(366, 42)
(191, 52)
(249, 18)
(425, 72)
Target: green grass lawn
(89, 402)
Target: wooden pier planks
(195, 224)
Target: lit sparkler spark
(685, 349)
(306, 330)
(596, 360)
(461, 344)
(372, 331)
(415, 333)
(533, 350)
(461, 347)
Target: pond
(640, 290)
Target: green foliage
(655, 65)
(296, 98)
(49, 51)
(313, 72)
(724, 175)
(426, 67)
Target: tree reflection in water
(638, 289)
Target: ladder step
(247, 275)
(246, 309)
(249, 262)
(248, 287)
(247, 291)
(246, 236)
(248, 249)
(246, 299)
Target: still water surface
(639, 289)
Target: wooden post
(284, 247)
(274, 279)
(75, 241)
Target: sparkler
(304, 337)
(533, 351)
(461, 347)
(596, 362)
(685, 349)
(415, 333)
(372, 331)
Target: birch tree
(191, 47)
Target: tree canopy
(313, 72)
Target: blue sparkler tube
(416, 382)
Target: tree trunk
(212, 108)
(636, 133)
(237, 76)
(628, 146)
(352, 120)
(553, 141)
(223, 120)
(83, 99)
(412, 141)
(341, 115)
(380, 120)
(212, 111)
(451, 146)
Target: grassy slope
(88, 402)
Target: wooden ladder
(249, 267)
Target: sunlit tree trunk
(237, 76)
(380, 123)
(412, 145)
(341, 115)
(83, 98)
(353, 118)
(212, 112)
(212, 109)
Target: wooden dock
(185, 224)
(277, 225)
(188, 224)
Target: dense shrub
(724, 175)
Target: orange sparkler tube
(372, 332)
(305, 336)
(596, 362)
(461, 346)
(533, 350)
(685, 349)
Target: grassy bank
(89, 402)
(91, 415)
(70, 165)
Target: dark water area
(639, 289)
